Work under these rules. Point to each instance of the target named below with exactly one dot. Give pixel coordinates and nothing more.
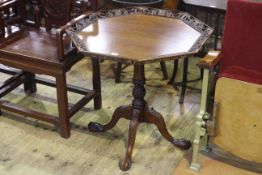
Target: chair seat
(243, 74)
(35, 46)
(238, 118)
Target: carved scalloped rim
(188, 19)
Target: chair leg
(118, 72)
(164, 71)
(175, 68)
(62, 102)
(201, 73)
(30, 84)
(184, 82)
(97, 83)
(216, 31)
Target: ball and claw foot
(95, 127)
(125, 164)
(182, 144)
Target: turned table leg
(138, 106)
(126, 163)
(138, 112)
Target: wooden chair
(231, 129)
(36, 50)
(79, 7)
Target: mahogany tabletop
(139, 34)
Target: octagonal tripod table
(138, 35)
